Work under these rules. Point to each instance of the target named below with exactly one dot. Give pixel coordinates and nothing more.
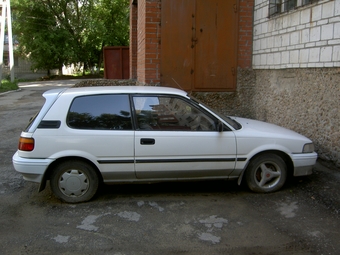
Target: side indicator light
(26, 144)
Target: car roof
(117, 89)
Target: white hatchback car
(84, 136)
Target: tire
(266, 173)
(74, 181)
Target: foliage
(7, 85)
(53, 33)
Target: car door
(175, 139)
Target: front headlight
(308, 148)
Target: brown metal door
(199, 44)
(215, 51)
(116, 62)
(176, 46)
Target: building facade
(22, 67)
(296, 59)
(286, 69)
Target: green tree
(115, 25)
(40, 37)
(53, 33)
(112, 24)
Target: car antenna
(179, 85)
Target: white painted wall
(308, 36)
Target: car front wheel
(266, 173)
(74, 181)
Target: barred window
(274, 7)
(290, 5)
(280, 6)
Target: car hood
(256, 128)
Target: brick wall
(245, 34)
(133, 40)
(153, 37)
(148, 42)
(308, 36)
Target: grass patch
(7, 85)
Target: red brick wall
(153, 46)
(245, 34)
(148, 41)
(133, 40)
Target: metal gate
(116, 62)
(199, 44)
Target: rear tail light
(26, 144)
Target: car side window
(100, 112)
(170, 113)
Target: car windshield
(227, 119)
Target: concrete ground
(167, 218)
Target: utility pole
(6, 13)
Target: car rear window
(100, 112)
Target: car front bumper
(304, 163)
(31, 169)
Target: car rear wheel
(266, 173)
(74, 181)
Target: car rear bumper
(304, 163)
(31, 169)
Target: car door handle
(147, 141)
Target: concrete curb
(10, 91)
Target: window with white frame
(280, 6)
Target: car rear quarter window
(100, 112)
